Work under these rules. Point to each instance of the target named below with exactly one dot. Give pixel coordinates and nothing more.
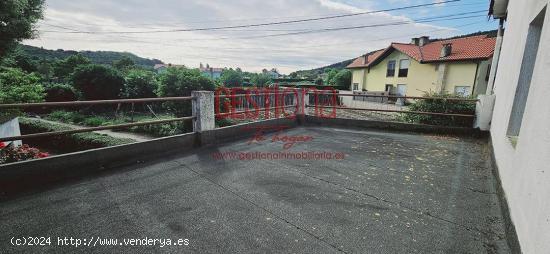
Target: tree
(64, 68)
(124, 64)
(17, 86)
(342, 80)
(140, 84)
(231, 78)
(319, 81)
(260, 80)
(97, 82)
(180, 82)
(331, 73)
(17, 20)
(19, 59)
(45, 69)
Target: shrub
(63, 69)
(140, 84)
(180, 82)
(94, 121)
(161, 130)
(98, 82)
(60, 92)
(438, 104)
(17, 86)
(66, 116)
(11, 154)
(231, 78)
(68, 143)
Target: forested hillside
(314, 73)
(97, 57)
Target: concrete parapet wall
(27, 175)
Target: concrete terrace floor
(393, 193)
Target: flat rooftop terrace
(391, 193)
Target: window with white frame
(404, 68)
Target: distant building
(211, 72)
(161, 68)
(458, 66)
(273, 73)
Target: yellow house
(459, 66)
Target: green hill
(97, 57)
(313, 73)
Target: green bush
(180, 82)
(438, 103)
(66, 116)
(94, 121)
(17, 86)
(73, 142)
(162, 130)
(98, 82)
(140, 84)
(60, 92)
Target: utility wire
(355, 27)
(332, 29)
(175, 23)
(268, 23)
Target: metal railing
(440, 110)
(266, 104)
(90, 103)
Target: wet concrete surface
(391, 193)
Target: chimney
(415, 41)
(365, 59)
(446, 50)
(423, 40)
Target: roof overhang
(498, 9)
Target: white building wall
(525, 168)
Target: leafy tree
(61, 92)
(342, 79)
(180, 82)
(24, 62)
(17, 19)
(140, 84)
(260, 80)
(123, 64)
(231, 78)
(17, 86)
(293, 75)
(319, 81)
(45, 69)
(98, 82)
(64, 68)
(331, 73)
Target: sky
(146, 28)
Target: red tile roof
(365, 60)
(466, 48)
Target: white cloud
(287, 53)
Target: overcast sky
(104, 20)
